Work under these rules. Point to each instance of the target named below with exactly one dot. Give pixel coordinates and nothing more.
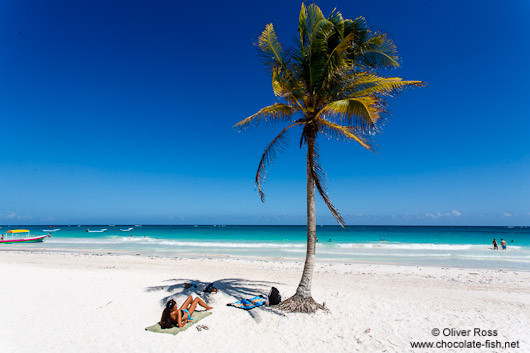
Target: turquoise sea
(469, 247)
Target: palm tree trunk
(302, 301)
(304, 288)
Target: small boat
(126, 230)
(50, 230)
(20, 236)
(96, 231)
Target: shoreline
(103, 303)
(248, 258)
(280, 259)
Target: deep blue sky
(122, 113)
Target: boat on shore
(16, 236)
(97, 230)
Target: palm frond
(378, 52)
(303, 25)
(314, 16)
(276, 112)
(358, 28)
(336, 66)
(319, 51)
(361, 112)
(270, 49)
(338, 21)
(319, 177)
(367, 84)
(286, 85)
(276, 146)
(309, 28)
(340, 132)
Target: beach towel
(197, 316)
(247, 304)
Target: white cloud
(453, 213)
(25, 217)
(506, 214)
(8, 215)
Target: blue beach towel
(247, 304)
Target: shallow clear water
(436, 246)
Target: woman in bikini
(173, 316)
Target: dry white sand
(53, 302)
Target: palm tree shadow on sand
(237, 288)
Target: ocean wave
(169, 242)
(388, 248)
(232, 245)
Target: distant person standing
(503, 244)
(49, 235)
(495, 245)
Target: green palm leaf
(271, 49)
(362, 112)
(273, 113)
(370, 84)
(342, 133)
(269, 154)
(378, 52)
(318, 50)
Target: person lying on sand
(173, 316)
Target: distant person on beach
(495, 245)
(330, 240)
(49, 235)
(173, 316)
(2, 237)
(503, 244)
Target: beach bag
(274, 296)
(210, 289)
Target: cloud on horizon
(10, 215)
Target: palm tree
(329, 85)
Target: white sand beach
(54, 302)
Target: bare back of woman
(180, 316)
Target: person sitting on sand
(495, 245)
(173, 316)
(503, 244)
